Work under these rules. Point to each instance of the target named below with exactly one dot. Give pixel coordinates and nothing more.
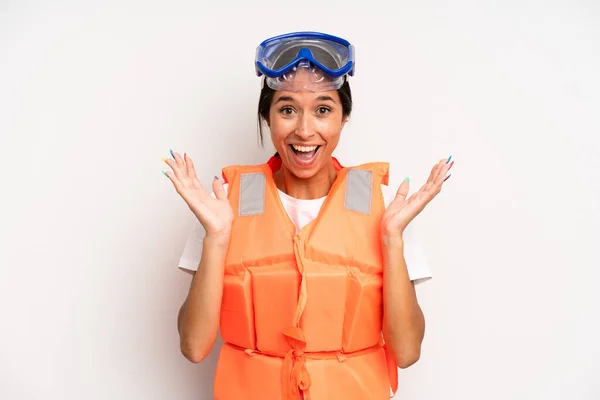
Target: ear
(344, 120)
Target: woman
(302, 262)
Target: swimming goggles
(328, 60)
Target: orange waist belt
(295, 376)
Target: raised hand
(214, 213)
(402, 211)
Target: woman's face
(305, 128)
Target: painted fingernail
(407, 179)
(165, 174)
(447, 177)
(185, 155)
(171, 151)
(451, 164)
(216, 177)
(449, 158)
(165, 160)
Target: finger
(168, 174)
(189, 166)
(440, 173)
(443, 173)
(403, 189)
(431, 187)
(434, 172)
(218, 189)
(176, 170)
(177, 157)
(176, 182)
(435, 187)
(443, 163)
(446, 175)
(430, 179)
(433, 183)
(400, 199)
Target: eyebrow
(284, 98)
(320, 98)
(325, 98)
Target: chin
(304, 173)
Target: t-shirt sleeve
(414, 255)
(192, 252)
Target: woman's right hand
(215, 214)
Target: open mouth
(305, 153)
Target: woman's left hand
(401, 210)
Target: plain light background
(93, 94)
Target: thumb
(403, 189)
(218, 189)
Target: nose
(305, 128)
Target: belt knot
(294, 375)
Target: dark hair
(266, 97)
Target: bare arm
(198, 321)
(403, 320)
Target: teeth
(304, 149)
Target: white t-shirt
(302, 212)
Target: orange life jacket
(302, 312)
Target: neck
(314, 187)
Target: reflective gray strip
(252, 194)
(359, 188)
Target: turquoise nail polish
(449, 158)
(407, 179)
(165, 174)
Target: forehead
(306, 96)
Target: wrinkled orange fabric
(301, 312)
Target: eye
(323, 110)
(286, 110)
